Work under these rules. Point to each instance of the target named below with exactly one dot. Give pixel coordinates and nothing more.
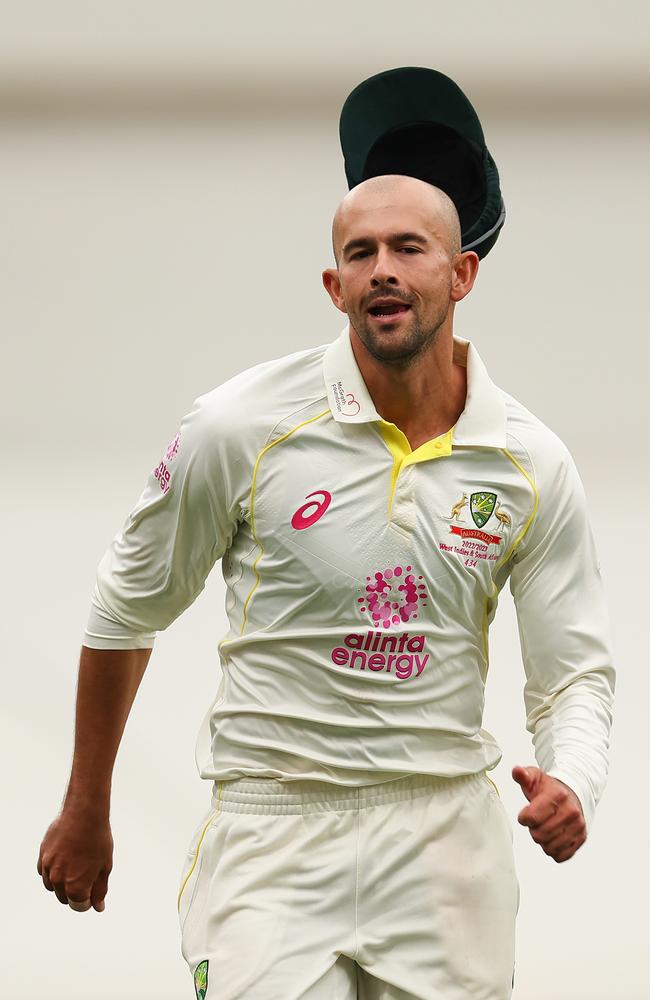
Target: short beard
(409, 350)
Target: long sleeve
(183, 522)
(564, 634)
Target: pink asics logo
(301, 519)
(392, 597)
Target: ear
(332, 285)
(463, 276)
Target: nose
(383, 273)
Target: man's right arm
(76, 854)
(154, 568)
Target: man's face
(391, 246)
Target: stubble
(401, 345)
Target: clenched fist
(554, 814)
(76, 858)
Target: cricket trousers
(404, 890)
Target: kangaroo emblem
(456, 509)
(501, 515)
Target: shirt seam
(270, 443)
(535, 484)
(246, 508)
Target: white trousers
(405, 890)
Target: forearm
(571, 738)
(107, 685)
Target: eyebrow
(364, 241)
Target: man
(369, 499)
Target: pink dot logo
(303, 519)
(393, 596)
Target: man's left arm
(563, 629)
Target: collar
(482, 422)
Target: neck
(424, 399)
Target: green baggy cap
(418, 122)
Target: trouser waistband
(273, 795)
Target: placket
(402, 512)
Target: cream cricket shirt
(362, 578)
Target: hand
(554, 816)
(76, 858)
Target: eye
(410, 249)
(359, 253)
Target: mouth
(385, 313)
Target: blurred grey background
(167, 181)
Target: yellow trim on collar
(399, 447)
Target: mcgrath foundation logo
(393, 597)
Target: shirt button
(438, 445)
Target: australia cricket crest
(481, 507)
(475, 545)
(201, 979)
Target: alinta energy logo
(393, 597)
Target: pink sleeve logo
(163, 476)
(170, 454)
(162, 473)
(301, 519)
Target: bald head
(438, 211)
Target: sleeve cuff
(104, 632)
(582, 789)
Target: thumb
(99, 890)
(524, 776)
